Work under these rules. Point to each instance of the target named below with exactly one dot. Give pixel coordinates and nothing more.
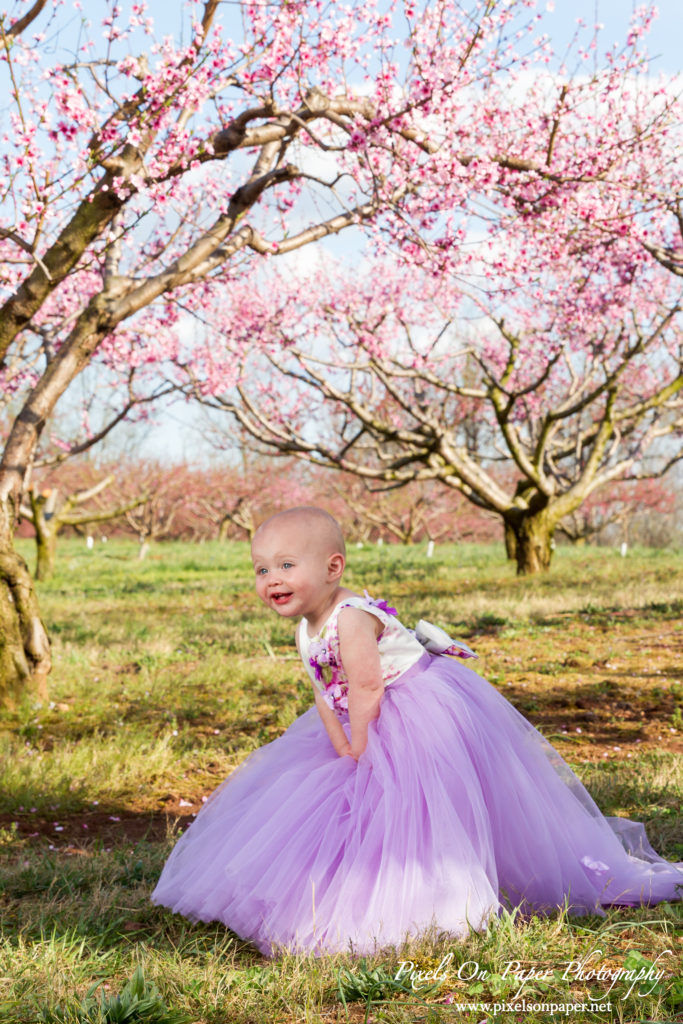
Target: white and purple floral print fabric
(398, 647)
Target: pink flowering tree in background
(648, 505)
(147, 180)
(52, 509)
(234, 499)
(526, 411)
(415, 512)
(541, 332)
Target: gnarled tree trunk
(24, 646)
(529, 536)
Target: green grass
(167, 673)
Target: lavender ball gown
(457, 807)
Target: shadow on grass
(83, 829)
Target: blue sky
(560, 23)
(663, 41)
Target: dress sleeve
(379, 609)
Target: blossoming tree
(387, 378)
(145, 176)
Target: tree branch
(23, 23)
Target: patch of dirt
(597, 696)
(82, 832)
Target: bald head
(318, 526)
(299, 561)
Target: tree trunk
(46, 525)
(532, 535)
(46, 550)
(24, 647)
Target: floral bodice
(399, 650)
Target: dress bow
(437, 641)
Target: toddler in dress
(411, 795)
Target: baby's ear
(335, 565)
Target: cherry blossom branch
(161, 391)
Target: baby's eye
(261, 572)
(287, 565)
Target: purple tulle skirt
(457, 807)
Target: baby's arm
(358, 632)
(332, 725)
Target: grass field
(168, 672)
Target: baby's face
(292, 575)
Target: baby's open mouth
(281, 596)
